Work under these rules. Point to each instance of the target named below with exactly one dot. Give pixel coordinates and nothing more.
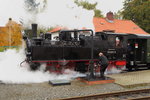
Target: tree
(97, 13)
(89, 6)
(118, 15)
(139, 12)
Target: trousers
(102, 70)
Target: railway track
(143, 94)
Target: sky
(109, 5)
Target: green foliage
(2, 49)
(28, 32)
(97, 13)
(139, 12)
(44, 29)
(86, 5)
(89, 6)
(118, 15)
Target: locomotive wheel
(81, 67)
(129, 68)
(34, 66)
(135, 67)
(148, 66)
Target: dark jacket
(103, 60)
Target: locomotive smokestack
(110, 16)
(34, 30)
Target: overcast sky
(109, 5)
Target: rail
(113, 94)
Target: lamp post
(91, 76)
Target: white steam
(66, 13)
(113, 70)
(57, 12)
(11, 72)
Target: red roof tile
(56, 29)
(118, 26)
(61, 28)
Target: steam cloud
(46, 13)
(11, 72)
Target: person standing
(103, 63)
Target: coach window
(119, 41)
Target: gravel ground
(45, 91)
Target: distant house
(55, 32)
(109, 24)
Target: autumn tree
(14, 33)
(139, 12)
(89, 6)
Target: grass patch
(3, 48)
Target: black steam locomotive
(73, 49)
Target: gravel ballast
(45, 91)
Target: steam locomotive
(74, 50)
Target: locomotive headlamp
(136, 45)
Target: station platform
(130, 79)
(97, 80)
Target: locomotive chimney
(110, 16)
(34, 30)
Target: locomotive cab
(114, 46)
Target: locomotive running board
(59, 82)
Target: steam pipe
(34, 30)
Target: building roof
(109, 24)
(116, 25)
(56, 29)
